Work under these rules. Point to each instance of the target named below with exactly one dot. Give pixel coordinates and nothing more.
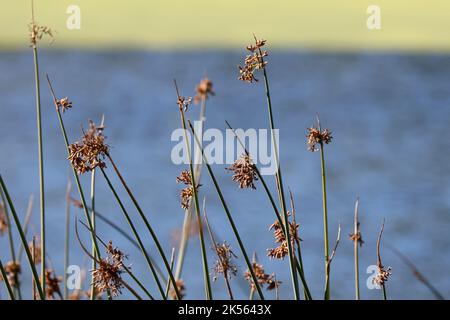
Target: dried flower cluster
(382, 275)
(244, 172)
(181, 290)
(12, 270)
(183, 103)
(253, 61)
(90, 152)
(186, 193)
(52, 284)
(107, 276)
(282, 250)
(3, 220)
(203, 90)
(64, 104)
(36, 32)
(224, 265)
(263, 278)
(317, 137)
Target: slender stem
(280, 188)
(6, 281)
(148, 226)
(26, 224)
(67, 239)
(325, 221)
(356, 250)
(189, 212)
(23, 239)
(75, 174)
(135, 233)
(172, 260)
(207, 281)
(94, 264)
(229, 216)
(41, 165)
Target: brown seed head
(186, 193)
(52, 284)
(263, 278)
(107, 276)
(317, 137)
(244, 172)
(36, 32)
(356, 237)
(254, 61)
(12, 270)
(282, 249)
(224, 264)
(184, 102)
(203, 90)
(64, 104)
(382, 276)
(88, 154)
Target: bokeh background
(384, 94)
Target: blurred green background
(167, 24)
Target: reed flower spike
(12, 270)
(263, 278)
(64, 104)
(282, 250)
(203, 90)
(37, 32)
(184, 102)
(316, 136)
(186, 193)
(108, 275)
(244, 172)
(87, 154)
(254, 61)
(52, 284)
(224, 265)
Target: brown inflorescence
(244, 172)
(35, 247)
(318, 137)
(187, 192)
(36, 32)
(382, 276)
(356, 237)
(107, 276)
(12, 270)
(254, 61)
(3, 220)
(181, 289)
(183, 103)
(52, 284)
(263, 278)
(64, 104)
(203, 90)
(88, 154)
(224, 264)
(282, 250)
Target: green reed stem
(67, 239)
(189, 212)
(23, 239)
(229, 216)
(356, 250)
(207, 281)
(6, 281)
(41, 165)
(280, 187)
(148, 226)
(325, 221)
(26, 224)
(135, 233)
(94, 264)
(172, 260)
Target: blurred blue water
(389, 115)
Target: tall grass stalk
(26, 223)
(229, 216)
(207, 281)
(147, 225)
(67, 240)
(298, 263)
(279, 183)
(94, 264)
(136, 234)
(185, 231)
(356, 250)
(40, 157)
(172, 261)
(75, 174)
(23, 239)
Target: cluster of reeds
(110, 274)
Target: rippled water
(389, 114)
